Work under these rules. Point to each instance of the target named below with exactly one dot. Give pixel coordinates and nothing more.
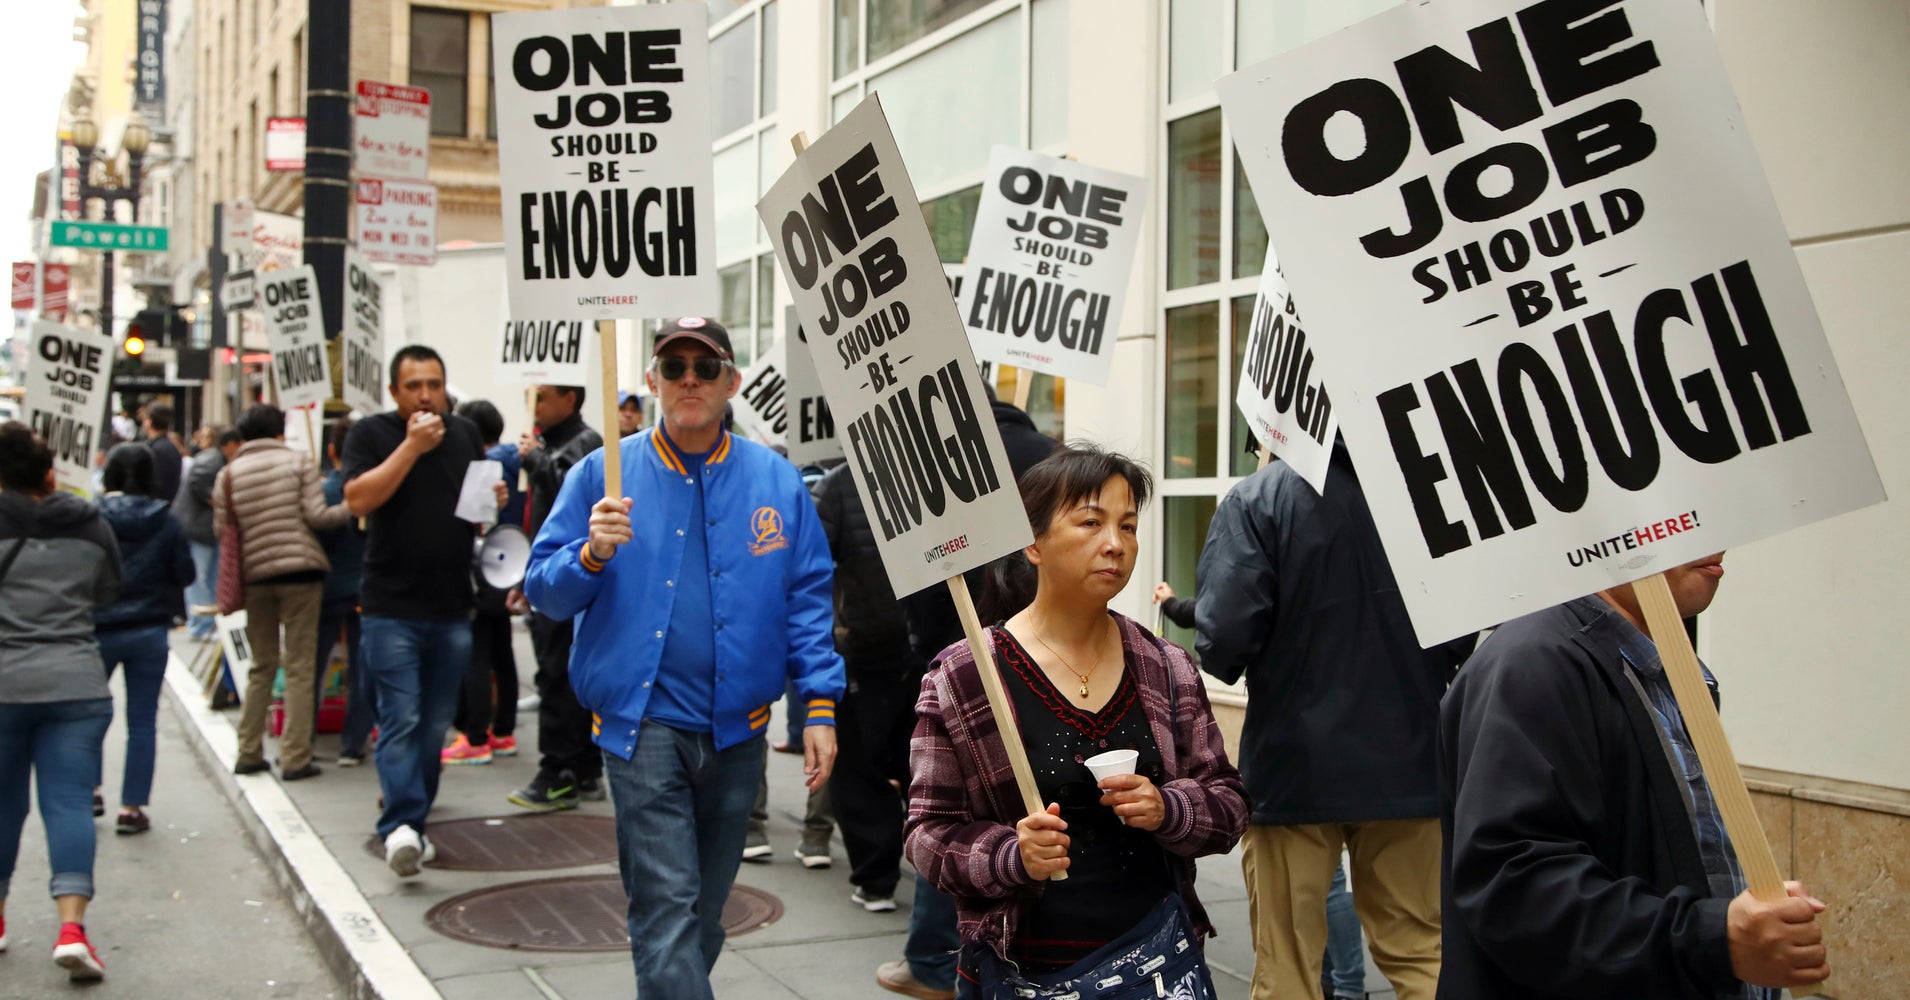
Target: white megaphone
(503, 556)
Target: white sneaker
(404, 851)
(430, 852)
(812, 860)
(874, 904)
(529, 703)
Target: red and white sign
(237, 222)
(55, 279)
(398, 222)
(25, 275)
(285, 144)
(394, 131)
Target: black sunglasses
(707, 368)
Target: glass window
(1193, 397)
(736, 222)
(720, 9)
(895, 23)
(1263, 30)
(1048, 77)
(440, 41)
(924, 111)
(733, 287)
(1184, 523)
(766, 296)
(1193, 200)
(733, 61)
(1246, 447)
(769, 59)
(1193, 50)
(951, 221)
(844, 103)
(848, 25)
(1250, 231)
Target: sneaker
(756, 847)
(872, 902)
(529, 703)
(504, 746)
(75, 954)
(132, 821)
(545, 794)
(812, 858)
(897, 977)
(430, 852)
(99, 806)
(350, 759)
(462, 752)
(591, 789)
(404, 851)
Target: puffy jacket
(564, 446)
(68, 566)
(871, 630)
(192, 506)
(770, 587)
(154, 562)
(280, 501)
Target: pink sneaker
(504, 746)
(462, 752)
(75, 954)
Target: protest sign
(541, 351)
(604, 165)
(392, 132)
(238, 648)
(761, 402)
(295, 333)
(398, 221)
(1049, 261)
(812, 427)
(1570, 345)
(68, 375)
(1281, 395)
(892, 356)
(363, 343)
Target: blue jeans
(57, 744)
(204, 589)
(933, 938)
(417, 668)
(1345, 946)
(682, 810)
(361, 699)
(144, 652)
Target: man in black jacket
(1586, 856)
(1339, 749)
(569, 766)
(167, 461)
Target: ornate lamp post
(135, 141)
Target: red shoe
(75, 954)
(504, 746)
(462, 752)
(3, 934)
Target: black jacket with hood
(564, 446)
(67, 566)
(1294, 593)
(872, 633)
(156, 566)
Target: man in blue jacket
(689, 620)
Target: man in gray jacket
(192, 507)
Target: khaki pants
(267, 606)
(1395, 881)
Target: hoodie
(67, 566)
(155, 563)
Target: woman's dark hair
(130, 469)
(262, 420)
(1071, 473)
(490, 423)
(24, 458)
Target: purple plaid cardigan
(963, 803)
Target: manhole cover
(573, 913)
(518, 843)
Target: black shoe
(547, 794)
(223, 699)
(99, 806)
(251, 767)
(591, 789)
(132, 821)
(300, 773)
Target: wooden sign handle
(530, 415)
(998, 700)
(613, 445)
(1024, 387)
(1266, 457)
(318, 446)
(1720, 766)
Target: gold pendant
(1084, 689)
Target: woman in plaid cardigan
(1082, 679)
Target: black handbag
(1161, 957)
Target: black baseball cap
(708, 332)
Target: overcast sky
(37, 59)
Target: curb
(352, 938)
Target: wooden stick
(1720, 766)
(613, 445)
(318, 447)
(998, 702)
(1266, 457)
(1024, 386)
(530, 414)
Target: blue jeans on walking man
(56, 744)
(203, 590)
(361, 696)
(417, 669)
(144, 652)
(682, 809)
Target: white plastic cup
(1107, 765)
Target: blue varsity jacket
(771, 586)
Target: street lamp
(135, 140)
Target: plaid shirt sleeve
(1207, 805)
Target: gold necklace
(1083, 678)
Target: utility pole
(328, 156)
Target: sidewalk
(372, 926)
